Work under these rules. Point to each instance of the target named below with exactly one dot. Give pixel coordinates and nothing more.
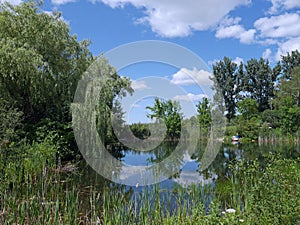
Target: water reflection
(216, 176)
(191, 173)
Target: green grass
(34, 190)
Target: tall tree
(289, 62)
(248, 108)
(204, 114)
(291, 87)
(260, 80)
(114, 87)
(226, 78)
(40, 62)
(169, 112)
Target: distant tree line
(257, 98)
(255, 94)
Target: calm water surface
(189, 173)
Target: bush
(10, 121)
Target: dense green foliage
(259, 80)
(257, 96)
(226, 79)
(204, 115)
(289, 62)
(140, 130)
(114, 88)
(41, 64)
(169, 113)
(39, 191)
(10, 121)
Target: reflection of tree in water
(117, 151)
(163, 152)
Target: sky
(238, 29)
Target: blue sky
(210, 28)
(239, 29)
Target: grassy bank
(36, 189)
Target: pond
(216, 174)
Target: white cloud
(51, 13)
(231, 28)
(61, 2)
(238, 60)
(139, 85)
(282, 30)
(213, 62)
(268, 41)
(229, 31)
(228, 21)
(179, 18)
(267, 54)
(187, 178)
(13, 2)
(247, 36)
(190, 97)
(191, 77)
(278, 5)
(288, 46)
(282, 26)
(135, 105)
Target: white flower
(230, 210)
(241, 220)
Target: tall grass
(35, 190)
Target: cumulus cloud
(238, 60)
(13, 2)
(278, 5)
(187, 178)
(267, 54)
(179, 18)
(288, 46)
(135, 105)
(247, 36)
(190, 77)
(286, 25)
(230, 31)
(190, 97)
(230, 28)
(213, 62)
(282, 30)
(51, 13)
(61, 2)
(139, 85)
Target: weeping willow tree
(40, 62)
(40, 66)
(96, 105)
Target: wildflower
(230, 210)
